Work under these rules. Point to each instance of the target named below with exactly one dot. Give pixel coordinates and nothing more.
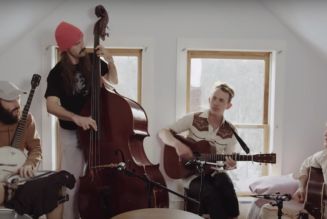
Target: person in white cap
(69, 86)
(10, 115)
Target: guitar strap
(239, 139)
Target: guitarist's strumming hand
(25, 171)
(183, 151)
(299, 195)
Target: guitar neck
(21, 124)
(221, 157)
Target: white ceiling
(18, 17)
(306, 18)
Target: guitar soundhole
(196, 154)
(193, 166)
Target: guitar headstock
(35, 80)
(265, 158)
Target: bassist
(68, 89)
(218, 194)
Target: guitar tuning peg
(266, 164)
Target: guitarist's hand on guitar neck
(25, 171)
(230, 163)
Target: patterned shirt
(199, 129)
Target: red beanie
(67, 35)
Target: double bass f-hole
(123, 159)
(121, 153)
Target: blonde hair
(224, 87)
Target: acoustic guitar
(175, 168)
(315, 193)
(12, 158)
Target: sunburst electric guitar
(12, 158)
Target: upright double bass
(122, 127)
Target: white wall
(164, 21)
(307, 19)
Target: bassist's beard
(7, 117)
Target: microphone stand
(200, 166)
(279, 204)
(150, 184)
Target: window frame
(265, 56)
(122, 52)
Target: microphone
(196, 161)
(121, 167)
(285, 197)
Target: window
(248, 74)
(129, 64)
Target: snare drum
(6, 213)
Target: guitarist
(318, 160)
(218, 194)
(10, 115)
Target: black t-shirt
(73, 103)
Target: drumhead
(6, 213)
(44, 173)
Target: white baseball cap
(8, 91)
